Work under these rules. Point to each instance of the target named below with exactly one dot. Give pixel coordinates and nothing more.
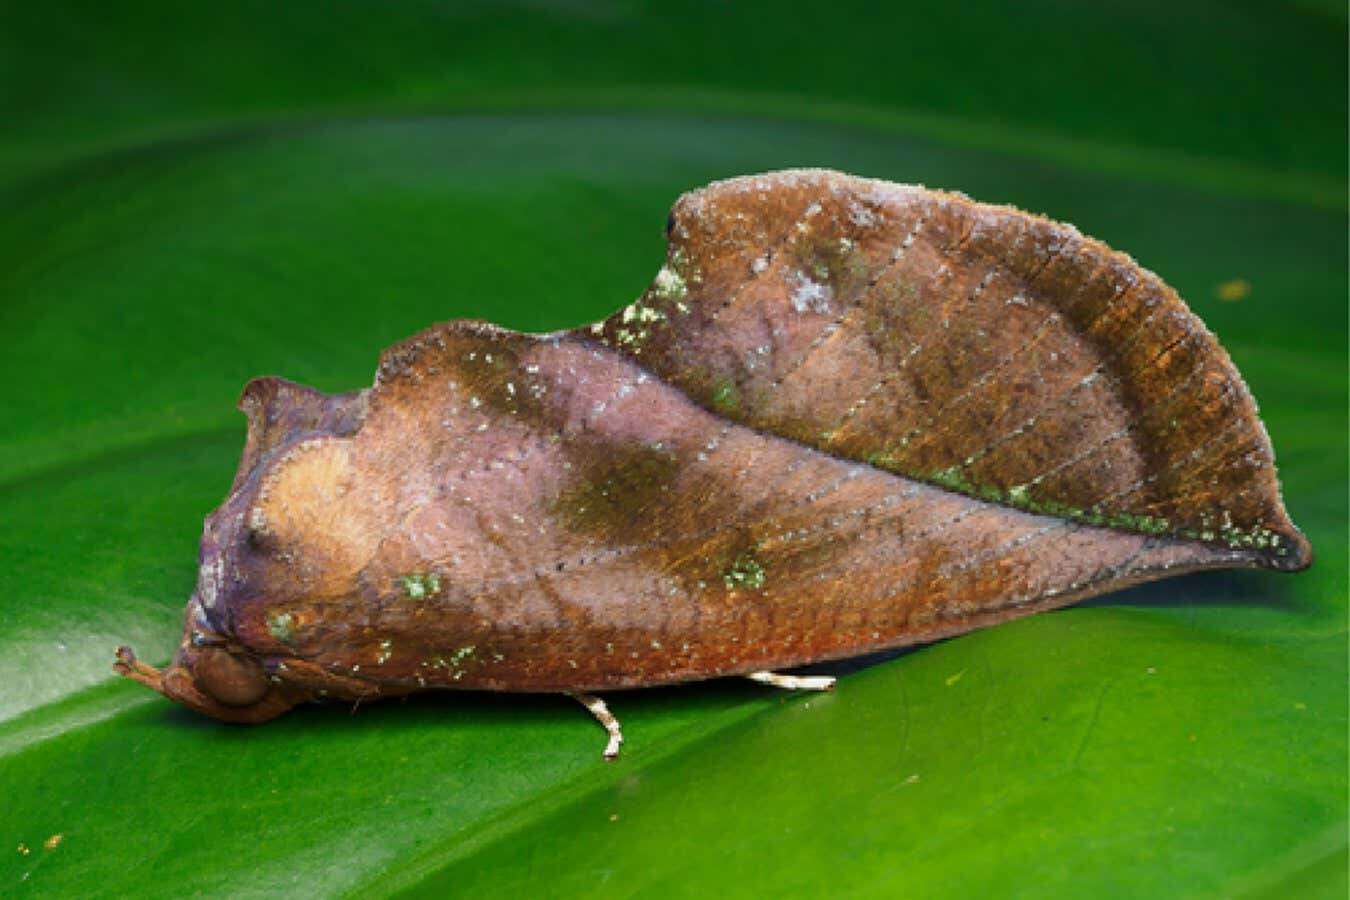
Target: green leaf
(1247, 97)
(1185, 738)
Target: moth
(846, 416)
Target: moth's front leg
(794, 682)
(606, 718)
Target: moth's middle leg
(606, 718)
(794, 682)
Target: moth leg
(127, 664)
(794, 682)
(606, 718)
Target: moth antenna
(127, 664)
(794, 682)
(606, 718)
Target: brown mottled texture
(848, 415)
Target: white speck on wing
(811, 296)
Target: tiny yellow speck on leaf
(53, 842)
(1233, 290)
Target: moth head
(231, 678)
(218, 681)
(212, 675)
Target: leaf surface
(141, 293)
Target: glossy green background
(193, 196)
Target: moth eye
(670, 224)
(231, 680)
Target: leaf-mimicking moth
(847, 415)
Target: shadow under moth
(847, 415)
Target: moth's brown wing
(975, 347)
(524, 513)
